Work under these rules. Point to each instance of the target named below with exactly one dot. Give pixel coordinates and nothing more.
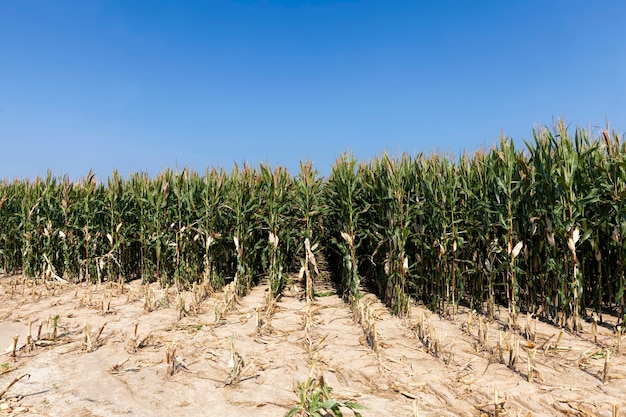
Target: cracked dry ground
(156, 357)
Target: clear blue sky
(145, 85)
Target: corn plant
(184, 220)
(390, 184)
(343, 195)
(212, 225)
(243, 205)
(309, 210)
(276, 212)
(507, 192)
(11, 196)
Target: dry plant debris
(419, 365)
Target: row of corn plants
(176, 228)
(539, 228)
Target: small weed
(5, 366)
(315, 400)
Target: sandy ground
(161, 353)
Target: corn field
(539, 228)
